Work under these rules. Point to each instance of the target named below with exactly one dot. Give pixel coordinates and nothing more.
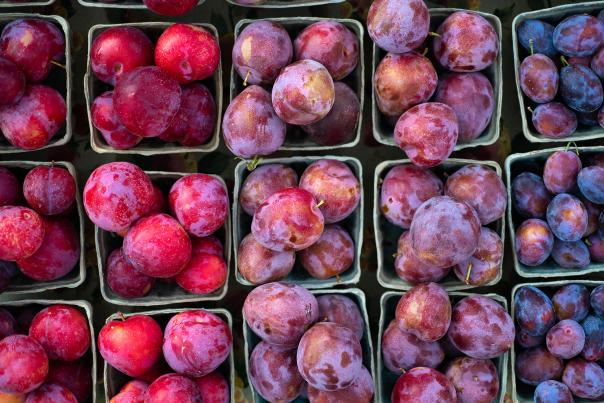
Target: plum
(116, 195)
(280, 313)
(596, 300)
(51, 392)
(580, 88)
(591, 184)
(288, 220)
(23, 364)
(560, 171)
(303, 93)
(132, 392)
(536, 365)
(74, 375)
(444, 232)
(596, 248)
(118, 50)
(260, 51)
(187, 53)
(526, 340)
(537, 36)
(481, 328)
(250, 125)
(596, 63)
(423, 385)
(173, 388)
(402, 351)
(196, 342)
(466, 42)
(274, 374)
(398, 26)
(565, 339)
(425, 312)
(330, 43)
(260, 265)
(49, 190)
(584, 379)
(593, 350)
(571, 302)
(8, 324)
(108, 124)
(331, 255)
(204, 274)
(579, 35)
(342, 310)
(539, 78)
(209, 244)
(534, 242)
(132, 345)
(529, 195)
(360, 391)
(554, 120)
(409, 268)
(485, 264)
(21, 232)
(329, 356)
(12, 83)
(404, 189)
(534, 311)
(63, 332)
(571, 255)
(593, 215)
(263, 182)
(567, 217)
(402, 81)
(427, 133)
(123, 279)
(553, 392)
(10, 188)
(213, 388)
(171, 8)
(476, 381)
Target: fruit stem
(434, 34)
(246, 77)
(121, 316)
(564, 61)
(587, 242)
(58, 64)
(532, 46)
(425, 52)
(530, 109)
(469, 273)
(251, 165)
(322, 202)
(572, 143)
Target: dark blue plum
(567, 217)
(571, 255)
(571, 302)
(597, 301)
(594, 338)
(589, 119)
(553, 392)
(534, 311)
(579, 35)
(591, 184)
(529, 195)
(542, 35)
(580, 88)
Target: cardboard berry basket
(124, 4)
(387, 234)
(94, 87)
(386, 379)
(553, 16)
(20, 284)
(383, 126)
(114, 379)
(162, 293)
(82, 306)
(296, 139)
(59, 78)
(524, 393)
(533, 162)
(286, 3)
(358, 296)
(353, 224)
(8, 4)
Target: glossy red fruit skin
(187, 53)
(342, 310)
(409, 268)
(262, 182)
(398, 26)
(402, 351)
(157, 246)
(50, 392)
(10, 188)
(213, 387)
(427, 133)
(33, 121)
(170, 7)
(474, 380)
(161, 92)
(200, 203)
(204, 274)
(196, 342)
(118, 50)
(23, 364)
(12, 82)
(106, 121)
(57, 256)
(330, 43)
(132, 392)
(173, 388)
(124, 280)
(360, 391)
(49, 190)
(74, 375)
(277, 224)
(21, 232)
(425, 312)
(131, 346)
(116, 195)
(423, 385)
(260, 265)
(273, 372)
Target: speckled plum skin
(525, 340)
(303, 93)
(425, 312)
(553, 392)
(21, 232)
(116, 195)
(260, 51)
(541, 33)
(108, 124)
(593, 215)
(539, 78)
(33, 121)
(529, 195)
(427, 133)
(402, 351)
(58, 254)
(280, 313)
(187, 53)
(404, 189)
(209, 244)
(330, 43)
(118, 50)
(74, 375)
(8, 324)
(204, 274)
(274, 374)
(570, 255)
(534, 242)
(398, 26)
(163, 98)
(444, 232)
(200, 203)
(409, 268)
(579, 35)
(170, 7)
(593, 326)
(402, 81)
(536, 365)
(596, 63)
(581, 88)
(23, 364)
(360, 391)
(196, 342)
(571, 302)
(534, 311)
(591, 184)
(565, 339)
(554, 120)
(250, 125)
(584, 379)
(173, 388)
(132, 346)
(467, 42)
(476, 381)
(10, 188)
(213, 388)
(288, 220)
(338, 127)
(329, 356)
(133, 391)
(423, 385)
(12, 85)
(50, 392)
(560, 171)
(342, 310)
(596, 300)
(49, 190)
(486, 262)
(263, 182)
(260, 265)
(567, 217)
(472, 98)
(124, 280)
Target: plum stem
(251, 165)
(469, 273)
(572, 143)
(58, 64)
(587, 242)
(121, 316)
(564, 61)
(425, 52)
(246, 77)
(395, 255)
(322, 202)
(434, 34)
(532, 46)
(530, 109)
